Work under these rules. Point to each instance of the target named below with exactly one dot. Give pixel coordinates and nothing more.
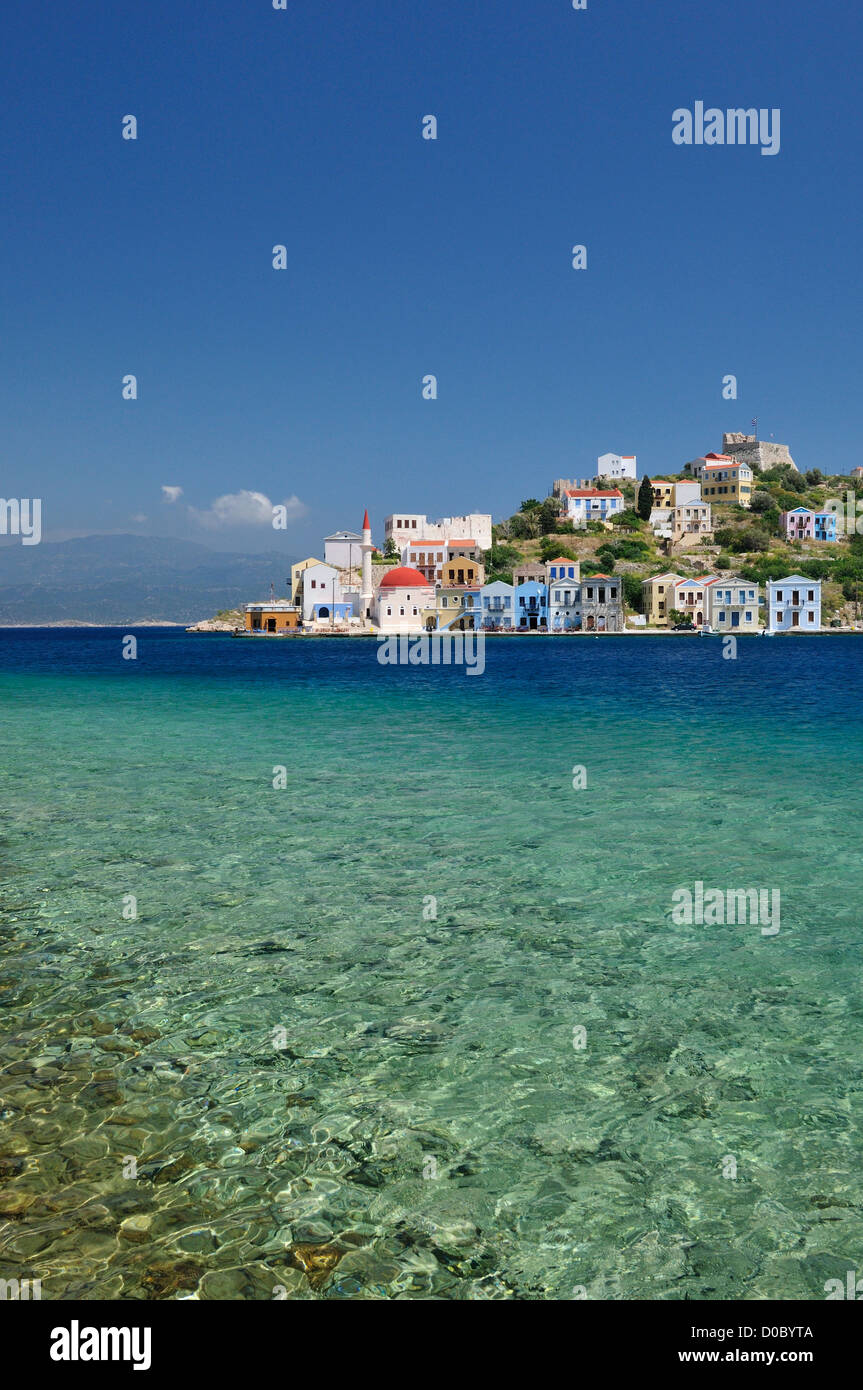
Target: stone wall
(756, 452)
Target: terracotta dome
(403, 577)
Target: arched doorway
(323, 612)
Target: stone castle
(755, 452)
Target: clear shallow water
(413, 1045)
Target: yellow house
(657, 597)
(297, 572)
(676, 494)
(724, 479)
(274, 616)
(462, 574)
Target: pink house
(801, 524)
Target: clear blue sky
(407, 257)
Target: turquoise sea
(332, 1049)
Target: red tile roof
(593, 492)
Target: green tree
(761, 501)
(645, 499)
(549, 515)
(523, 526)
(391, 550)
(632, 592)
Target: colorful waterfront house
(324, 600)
(732, 605)
(564, 603)
(404, 601)
(725, 480)
(794, 604)
(497, 606)
(562, 568)
(657, 597)
(273, 617)
(584, 504)
(458, 609)
(297, 573)
(472, 609)
(531, 606)
(802, 524)
(689, 597)
(602, 603)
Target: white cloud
(171, 494)
(139, 517)
(245, 509)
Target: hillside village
(735, 541)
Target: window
(401, 612)
(748, 616)
(415, 612)
(413, 526)
(389, 612)
(811, 616)
(811, 595)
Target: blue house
(531, 606)
(561, 568)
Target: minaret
(366, 594)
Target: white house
(616, 466)
(585, 504)
(403, 595)
(794, 604)
(323, 599)
(343, 549)
(498, 605)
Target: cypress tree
(645, 499)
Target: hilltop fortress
(749, 449)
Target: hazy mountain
(128, 579)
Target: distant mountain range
(130, 579)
